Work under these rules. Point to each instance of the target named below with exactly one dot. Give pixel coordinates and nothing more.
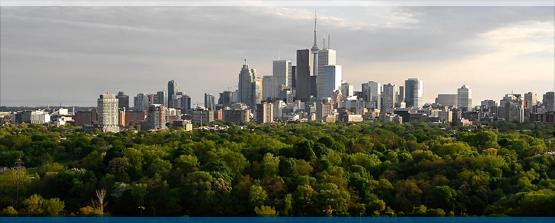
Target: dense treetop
(281, 169)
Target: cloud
(56, 50)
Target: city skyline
(519, 42)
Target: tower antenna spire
(329, 40)
(315, 18)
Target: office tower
(389, 95)
(447, 100)
(236, 115)
(268, 87)
(511, 108)
(400, 96)
(326, 56)
(549, 101)
(172, 89)
(209, 102)
(371, 93)
(530, 100)
(140, 102)
(151, 99)
(246, 85)
(258, 88)
(302, 76)
(265, 112)
(155, 118)
(464, 98)
(281, 76)
(313, 86)
(185, 102)
(329, 81)
(293, 77)
(414, 89)
(38, 117)
(226, 98)
(162, 99)
(107, 108)
(347, 90)
(123, 100)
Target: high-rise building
(549, 101)
(268, 87)
(329, 81)
(209, 102)
(293, 77)
(107, 108)
(389, 95)
(371, 93)
(172, 89)
(140, 102)
(447, 100)
(511, 108)
(464, 98)
(414, 89)
(226, 98)
(265, 112)
(326, 57)
(282, 78)
(246, 85)
(185, 102)
(123, 100)
(155, 118)
(400, 96)
(324, 108)
(258, 90)
(302, 77)
(161, 98)
(347, 90)
(530, 100)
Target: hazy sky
(69, 55)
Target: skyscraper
(185, 102)
(123, 100)
(281, 76)
(414, 89)
(511, 108)
(464, 98)
(156, 118)
(388, 98)
(302, 77)
(371, 93)
(107, 108)
(265, 112)
(347, 90)
(447, 99)
(329, 81)
(246, 85)
(209, 102)
(530, 100)
(268, 87)
(140, 102)
(172, 89)
(161, 98)
(225, 98)
(549, 101)
(326, 56)
(258, 90)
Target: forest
(280, 169)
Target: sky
(70, 55)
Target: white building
(329, 80)
(326, 57)
(107, 109)
(464, 98)
(282, 76)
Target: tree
(53, 206)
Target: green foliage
(304, 169)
